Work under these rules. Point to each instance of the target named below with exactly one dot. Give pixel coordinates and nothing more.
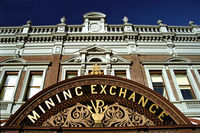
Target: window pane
(34, 86)
(36, 80)
(182, 79)
(6, 93)
(71, 74)
(120, 73)
(157, 84)
(11, 80)
(184, 87)
(159, 90)
(187, 94)
(8, 87)
(32, 91)
(156, 78)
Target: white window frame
(70, 68)
(163, 69)
(190, 78)
(196, 71)
(123, 68)
(8, 104)
(29, 69)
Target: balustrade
(115, 28)
(74, 28)
(43, 29)
(10, 30)
(180, 29)
(147, 29)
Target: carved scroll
(115, 115)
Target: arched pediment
(14, 60)
(178, 59)
(95, 48)
(97, 101)
(94, 15)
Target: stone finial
(191, 23)
(125, 19)
(29, 22)
(160, 22)
(63, 20)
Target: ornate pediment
(95, 48)
(14, 60)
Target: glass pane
(185, 87)
(120, 73)
(187, 94)
(11, 80)
(32, 91)
(159, 90)
(156, 78)
(36, 80)
(6, 93)
(157, 84)
(71, 75)
(182, 79)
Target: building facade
(164, 58)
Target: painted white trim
(70, 68)
(176, 83)
(11, 69)
(197, 73)
(193, 83)
(26, 79)
(162, 68)
(121, 67)
(10, 103)
(168, 85)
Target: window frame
(66, 68)
(162, 68)
(6, 69)
(191, 80)
(125, 68)
(32, 73)
(186, 75)
(164, 86)
(30, 69)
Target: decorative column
(83, 59)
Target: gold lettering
(143, 102)
(41, 108)
(122, 92)
(34, 117)
(153, 111)
(48, 103)
(112, 93)
(162, 115)
(67, 94)
(58, 98)
(78, 93)
(132, 97)
(92, 89)
(103, 89)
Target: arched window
(95, 60)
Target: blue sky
(147, 12)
